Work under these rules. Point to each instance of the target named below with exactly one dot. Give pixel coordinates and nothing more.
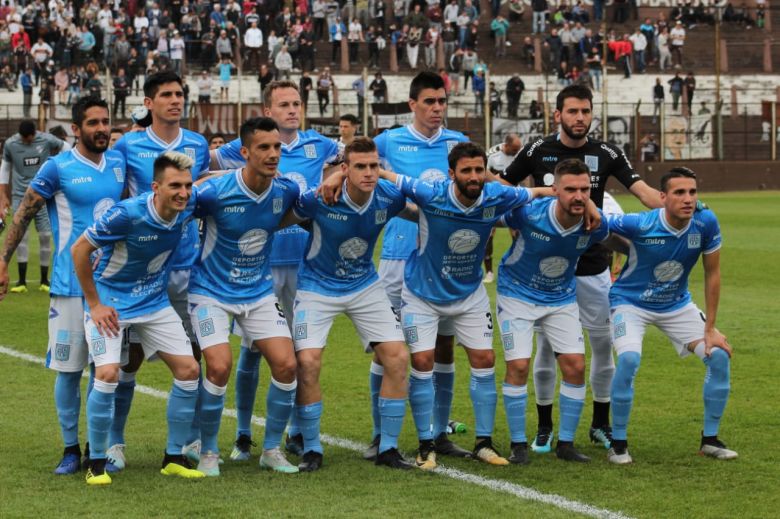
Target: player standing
(138, 238)
(574, 114)
(76, 187)
(23, 155)
(338, 276)
(665, 245)
(242, 210)
(536, 287)
(305, 156)
(164, 98)
(420, 150)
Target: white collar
(84, 160)
(157, 140)
(666, 225)
(428, 140)
(156, 216)
(557, 225)
(359, 209)
(456, 202)
(248, 192)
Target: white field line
(492, 484)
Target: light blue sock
(247, 380)
(623, 392)
(443, 384)
(212, 402)
(515, 404)
(392, 411)
(572, 400)
(194, 432)
(421, 402)
(716, 389)
(279, 405)
(100, 413)
(482, 388)
(123, 399)
(91, 380)
(67, 399)
(309, 419)
(375, 375)
(181, 410)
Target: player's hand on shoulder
(106, 319)
(592, 216)
(715, 339)
(330, 189)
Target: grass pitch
(667, 479)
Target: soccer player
(76, 187)
(115, 135)
(348, 125)
(337, 276)
(138, 238)
(306, 157)
(242, 210)
(443, 282)
(536, 287)
(23, 155)
(164, 99)
(574, 114)
(665, 245)
(420, 150)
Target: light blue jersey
(447, 267)
(302, 161)
(660, 258)
(539, 267)
(140, 149)
(339, 253)
(77, 193)
(135, 257)
(239, 225)
(408, 152)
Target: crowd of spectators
(66, 45)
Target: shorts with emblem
(68, 351)
(517, 320)
(159, 332)
(469, 319)
(369, 309)
(259, 320)
(593, 300)
(683, 327)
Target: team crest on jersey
(694, 241)
(583, 241)
(277, 205)
(488, 213)
(450, 145)
(592, 161)
(380, 216)
(190, 152)
(310, 150)
(120, 175)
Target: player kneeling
(137, 238)
(653, 289)
(338, 276)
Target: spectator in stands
(359, 87)
(121, 91)
(516, 11)
(567, 39)
(704, 110)
(264, 77)
(324, 84)
(595, 63)
(478, 86)
(463, 23)
(283, 63)
(690, 88)
(378, 87)
(223, 46)
(468, 62)
(514, 92)
(500, 27)
(564, 74)
(578, 34)
(664, 51)
(208, 49)
(305, 86)
(658, 99)
(354, 38)
(94, 86)
(648, 148)
(622, 50)
(528, 52)
(449, 39)
(413, 40)
(431, 41)
(539, 8)
(337, 32)
(41, 52)
(253, 41)
(639, 44)
(225, 68)
(555, 46)
(598, 10)
(204, 85)
(61, 83)
(535, 110)
(74, 88)
(676, 88)
(495, 100)
(677, 36)
(177, 47)
(472, 38)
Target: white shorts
(67, 351)
(161, 331)
(369, 310)
(178, 282)
(469, 319)
(593, 300)
(561, 325)
(683, 327)
(210, 318)
(391, 274)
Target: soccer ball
(553, 267)
(463, 241)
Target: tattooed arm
(31, 204)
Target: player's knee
(285, 370)
(218, 371)
(719, 362)
(108, 373)
(517, 372)
(423, 361)
(395, 359)
(187, 369)
(628, 363)
(307, 368)
(481, 359)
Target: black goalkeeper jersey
(538, 160)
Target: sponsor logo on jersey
(463, 241)
(32, 161)
(336, 216)
(548, 179)
(147, 155)
(81, 180)
(549, 159)
(234, 209)
(277, 205)
(190, 152)
(310, 150)
(380, 216)
(668, 271)
(148, 237)
(535, 145)
(655, 241)
(592, 161)
(120, 175)
(407, 148)
(609, 150)
(554, 266)
(252, 242)
(353, 248)
(694, 241)
(539, 236)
